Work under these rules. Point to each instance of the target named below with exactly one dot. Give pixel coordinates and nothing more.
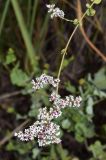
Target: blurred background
(31, 44)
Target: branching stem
(67, 45)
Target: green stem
(60, 68)
(25, 34)
(68, 20)
(66, 47)
(34, 11)
(4, 15)
(29, 13)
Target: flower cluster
(44, 80)
(59, 103)
(55, 12)
(44, 128)
(69, 101)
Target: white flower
(69, 101)
(44, 80)
(50, 7)
(55, 112)
(43, 114)
(44, 129)
(15, 134)
(47, 133)
(55, 12)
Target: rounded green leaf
(10, 58)
(66, 124)
(91, 12)
(18, 77)
(76, 21)
(97, 1)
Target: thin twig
(8, 95)
(7, 138)
(67, 45)
(96, 25)
(97, 51)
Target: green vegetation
(31, 44)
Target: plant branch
(67, 45)
(97, 51)
(7, 138)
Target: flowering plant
(44, 128)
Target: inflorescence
(55, 12)
(44, 80)
(44, 128)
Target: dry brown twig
(9, 95)
(97, 25)
(97, 51)
(7, 138)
